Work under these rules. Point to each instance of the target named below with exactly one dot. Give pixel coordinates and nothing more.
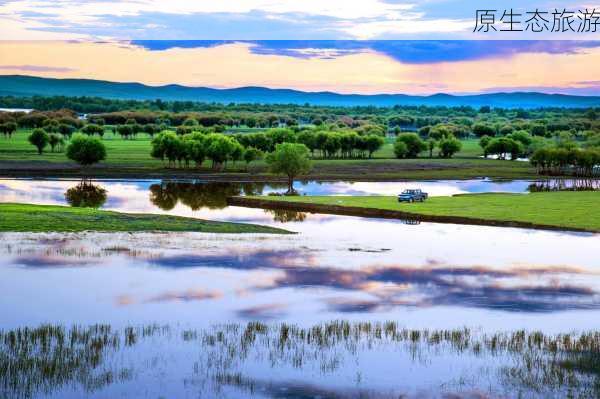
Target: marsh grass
(45, 359)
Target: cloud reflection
(518, 289)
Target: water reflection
(566, 185)
(286, 216)
(86, 195)
(207, 200)
(333, 359)
(198, 195)
(283, 277)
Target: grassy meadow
(566, 209)
(51, 218)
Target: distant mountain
(18, 85)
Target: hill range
(19, 85)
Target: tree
(439, 132)
(125, 131)
(66, 130)
(373, 143)
(55, 141)
(348, 142)
(431, 144)
(522, 137)
(449, 146)
(481, 129)
(281, 135)
(86, 150)
(309, 139)
(190, 122)
(502, 145)
(237, 152)
(538, 130)
(166, 145)
(93, 129)
(414, 144)
(195, 144)
(332, 144)
(483, 143)
(252, 154)
(39, 138)
(289, 159)
(220, 148)
(400, 149)
(8, 129)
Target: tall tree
(289, 159)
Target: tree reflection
(199, 195)
(86, 195)
(286, 216)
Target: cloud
(250, 19)
(36, 68)
(405, 51)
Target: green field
(132, 158)
(47, 218)
(567, 209)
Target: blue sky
(264, 19)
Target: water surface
(192, 314)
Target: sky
(367, 46)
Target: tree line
(562, 161)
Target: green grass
(46, 218)
(132, 158)
(577, 210)
(470, 149)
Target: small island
(50, 218)
(565, 210)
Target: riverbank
(323, 170)
(574, 211)
(51, 218)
